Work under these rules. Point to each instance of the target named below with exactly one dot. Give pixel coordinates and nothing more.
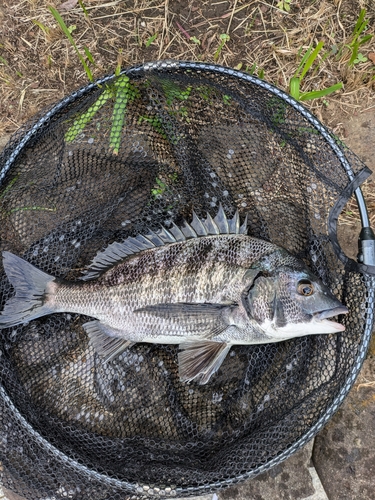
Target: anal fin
(199, 360)
(106, 340)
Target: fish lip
(329, 313)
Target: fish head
(292, 303)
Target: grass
(68, 33)
(305, 65)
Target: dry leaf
(68, 5)
(371, 56)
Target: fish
(205, 286)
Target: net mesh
(109, 162)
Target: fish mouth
(323, 316)
(329, 313)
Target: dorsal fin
(211, 227)
(234, 224)
(166, 236)
(117, 252)
(221, 221)
(188, 230)
(198, 225)
(243, 228)
(177, 233)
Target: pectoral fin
(212, 318)
(176, 310)
(199, 360)
(106, 341)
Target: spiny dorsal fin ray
(198, 225)
(154, 238)
(177, 233)
(188, 230)
(243, 228)
(211, 227)
(166, 236)
(234, 224)
(221, 221)
(117, 252)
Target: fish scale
(206, 286)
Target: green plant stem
(118, 115)
(65, 29)
(80, 123)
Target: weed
(65, 29)
(42, 27)
(159, 191)
(360, 58)
(284, 5)
(122, 86)
(277, 109)
(151, 39)
(195, 40)
(23, 209)
(154, 122)
(82, 5)
(9, 186)
(306, 63)
(251, 70)
(122, 91)
(226, 99)
(162, 188)
(224, 38)
(80, 123)
(173, 91)
(357, 40)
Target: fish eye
(305, 287)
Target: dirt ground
(39, 65)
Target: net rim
(135, 488)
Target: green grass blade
(64, 28)
(315, 94)
(354, 55)
(9, 186)
(311, 59)
(88, 55)
(151, 39)
(306, 55)
(365, 39)
(40, 25)
(81, 122)
(82, 5)
(358, 28)
(118, 115)
(252, 69)
(294, 88)
(224, 37)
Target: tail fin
(31, 286)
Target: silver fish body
(205, 286)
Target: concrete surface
(296, 478)
(344, 451)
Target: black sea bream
(205, 286)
